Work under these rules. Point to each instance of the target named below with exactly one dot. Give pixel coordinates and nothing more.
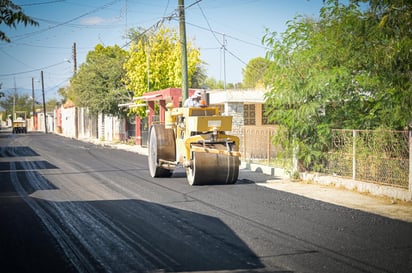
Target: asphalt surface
(381, 205)
(70, 206)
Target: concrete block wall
(236, 110)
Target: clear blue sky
(87, 23)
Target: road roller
(194, 138)
(20, 122)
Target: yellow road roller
(194, 138)
(20, 122)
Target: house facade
(246, 106)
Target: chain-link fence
(374, 156)
(377, 156)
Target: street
(71, 206)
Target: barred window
(249, 114)
(265, 119)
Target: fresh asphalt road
(70, 206)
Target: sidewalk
(384, 206)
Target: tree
(154, 62)
(64, 92)
(1, 92)
(212, 83)
(254, 73)
(349, 69)
(16, 102)
(199, 77)
(12, 14)
(99, 85)
(51, 105)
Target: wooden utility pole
(74, 59)
(33, 107)
(44, 102)
(182, 28)
(224, 62)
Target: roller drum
(213, 169)
(161, 145)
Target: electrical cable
(223, 45)
(34, 70)
(14, 58)
(16, 38)
(40, 3)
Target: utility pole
(148, 66)
(14, 99)
(74, 59)
(224, 62)
(182, 28)
(33, 107)
(44, 102)
(76, 109)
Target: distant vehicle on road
(20, 122)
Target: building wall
(68, 121)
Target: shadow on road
(14, 151)
(38, 235)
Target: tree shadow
(15, 151)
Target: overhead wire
(13, 58)
(27, 35)
(155, 25)
(41, 3)
(33, 70)
(222, 44)
(158, 23)
(172, 16)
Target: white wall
(69, 122)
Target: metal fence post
(410, 160)
(244, 144)
(354, 155)
(268, 146)
(295, 160)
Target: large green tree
(16, 102)
(350, 68)
(154, 62)
(11, 15)
(99, 85)
(254, 73)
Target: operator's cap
(197, 94)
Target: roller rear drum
(161, 146)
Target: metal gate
(131, 127)
(144, 131)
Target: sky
(211, 25)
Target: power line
(227, 36)
(210, 28)
(194, 3)
(34, 70)
(14, 58)
(81, 26)
(154, 26)
(24, 36)
(223, 44)
(41, 3)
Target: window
(249, 114)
